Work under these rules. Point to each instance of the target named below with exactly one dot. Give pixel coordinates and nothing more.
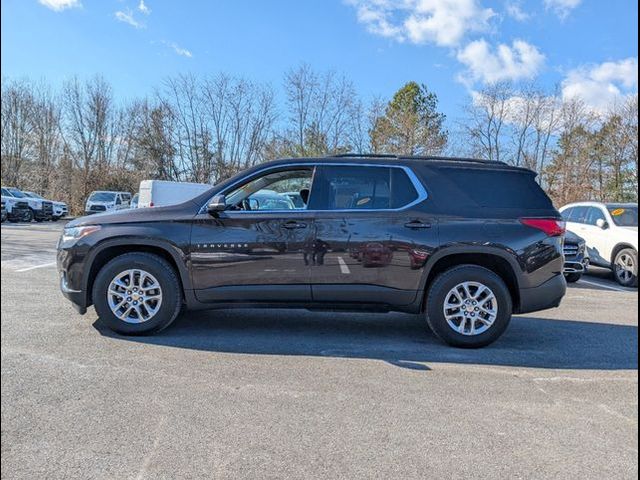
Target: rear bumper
(547, 295)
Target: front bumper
(548, 295)
(575, 266)
(60, 211)
(76, 297)
(71, 269)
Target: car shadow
(399, 339)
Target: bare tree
(17, 128)
(486, 117)
(323, 112)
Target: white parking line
(344, 268)
(601, 285)
(44, 265)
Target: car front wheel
(625, 267)
(468, 306)
(137, 293)
(573, 277)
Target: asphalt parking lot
(255, 394)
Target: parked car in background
(490, 242)
(159, 193)
(297, 198)
(17, 209)
(576, 258)
(269, 200)
(610, 231)
(102, 201)
(135, 200)
(39, 210)
(60, 209)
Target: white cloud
(144, 8)
(443, 22)
(562, 8)
(602, 86)
(59, 5)
(183, 52)
(519, 61)
(515, 11)
(126, 16)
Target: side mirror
(601, 223)
(217, 204)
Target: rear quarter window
(499, 189)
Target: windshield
(102, 197)
(624, 216)
(16, 193)
(33, 195)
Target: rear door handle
(293, 224)
(417, 224)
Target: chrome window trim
(417, 184)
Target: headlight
(71, 235)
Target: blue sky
(588, 47)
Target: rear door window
(364, 188)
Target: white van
(158, 193)
(106, 201)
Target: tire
(440, 291)
(573, 277)
(161, 272)
(627, 277)
(28, 216)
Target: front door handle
(417, 224)
(293, 224)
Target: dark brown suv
(464, 242)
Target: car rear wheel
(137, 293)
(625, 267)
(573, 277)
(468, 306)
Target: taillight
(551, 226)
(151, 204)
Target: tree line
(66, 142)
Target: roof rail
(364, 155)
(432, 158)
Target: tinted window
(566, 215)
(579, 215)
(102, 197)
(498, 188)
(593, 215)
(362, 188)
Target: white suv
(611, 233)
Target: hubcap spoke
(134, 296)
(470, 308)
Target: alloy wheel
(134, 296)
(470, 308)
(625, 268)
